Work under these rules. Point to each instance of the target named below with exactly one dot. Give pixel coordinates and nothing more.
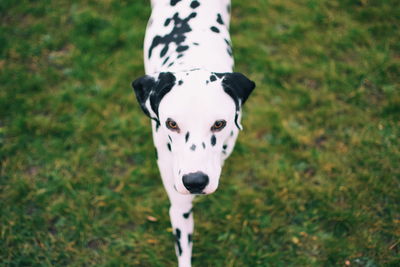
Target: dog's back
(185, 34)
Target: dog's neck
(184, 36)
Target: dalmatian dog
(194, 101)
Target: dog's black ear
(149, 91)
(239, 87)
(142, 87)
(165, 82)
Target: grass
(314, 179)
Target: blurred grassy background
(314, 179)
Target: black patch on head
(180, 82)
(177, 34)
(194, 4)
(169, 146)
(187, 137)
(147, 87)
(167, 21)
(239, 87)
(190, 238)
(182, 48)
(173, 2)
(193, 147)
(156, 153)
(195, 43)
(219, 19)
(177, 240)
(214, 29)
(187, 214)
(213, 140)
(213, 78)
(204, 145)
(224, 146)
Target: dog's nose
(195, 182)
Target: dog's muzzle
(195, 182)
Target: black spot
(180, 82)
(204, 145)
(229, 48)
(156, 153)
(177, 240)
(228, 8)
(173, 2)
(169, 146)
(194, 4)
(219, 19)
(177, 34)
(213, 78)
(219, 75)
(231, 133)
(179, 56)
(164, 51)
(179, 172)
(157, 125)
(228, 42)
(167, 21)
(213, 140)
(224, 146)
(190, 238)
(187, 214)
(182, 48)
(170, 64)
(187, 137)
(165, 60)
(207, 81)
(170, 139)
(193, 147)
(196, 43)
(214, 29)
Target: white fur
(195, 105)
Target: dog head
(197, 113)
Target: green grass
(314, 179)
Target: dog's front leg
(181, 216)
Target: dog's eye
(172, 125)
(218, 125)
